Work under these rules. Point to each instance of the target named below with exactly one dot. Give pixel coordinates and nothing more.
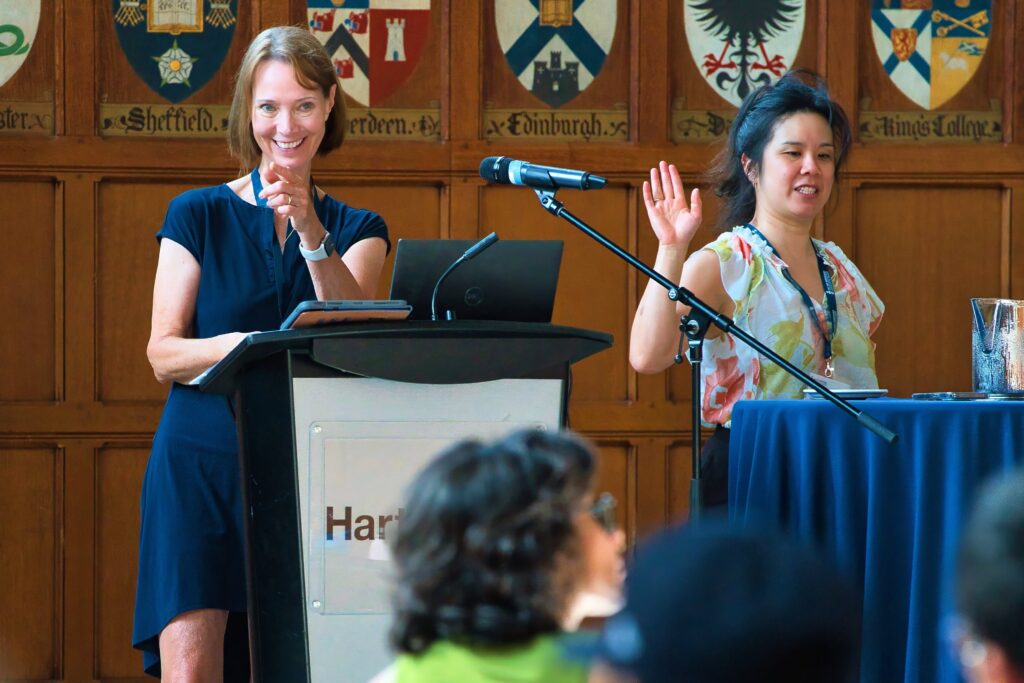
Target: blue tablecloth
(890, 515)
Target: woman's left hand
(289, 195)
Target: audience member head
(495, 542)
(990, 584)
(708, 603)
(739, 163)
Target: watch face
(328, 244)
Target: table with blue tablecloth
(889, 515)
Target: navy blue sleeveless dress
(191, 548)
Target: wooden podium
(333, 423)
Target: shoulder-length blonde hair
(313, 69)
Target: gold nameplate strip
(163, 120)
(20, 118)
(394, 124)
(701, 125)
(931, 127)
(548, 124)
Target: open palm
(673, 220)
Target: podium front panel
(358, 443)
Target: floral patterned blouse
(772, 310)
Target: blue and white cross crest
(555, 48)
(930, 49)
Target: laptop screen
(511, 280)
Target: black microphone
(513, 172)
(466, 255)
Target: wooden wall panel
(616, 474)
(1014, 205)
(679, 466)
(29, 298)
(593, 283)
(128, 215)
(30, 570)
(928, 250)
(930, 225)
(651, 506)
(119, 469)
(416, 216)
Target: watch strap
(325, 249)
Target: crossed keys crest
(973, 23)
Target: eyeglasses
(603, 512)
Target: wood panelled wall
(930, 225)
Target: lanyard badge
(831, 313)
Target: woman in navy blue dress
(235, 259)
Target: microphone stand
(694, 326)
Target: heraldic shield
(740, 46)
(375, 44)
(18, 24)
(175, 46)
(931, 48)
(555, 48)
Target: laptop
(511, 280)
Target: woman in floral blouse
(804, 298)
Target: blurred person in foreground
(497, 544)
(708, 603)
(990, 586)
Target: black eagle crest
(744, 26)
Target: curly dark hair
(799, 90)
(487, 552)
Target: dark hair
(313, 70)
(990, 571)
(799, 90)
(487, 552)
(712, 603)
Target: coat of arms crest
(739, 46)
(930, 49)
(18, 24)
(375, 44)
(175, 46)
(555, 48)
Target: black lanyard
(831, 309)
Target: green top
(539, 660)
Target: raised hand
(673, 221)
